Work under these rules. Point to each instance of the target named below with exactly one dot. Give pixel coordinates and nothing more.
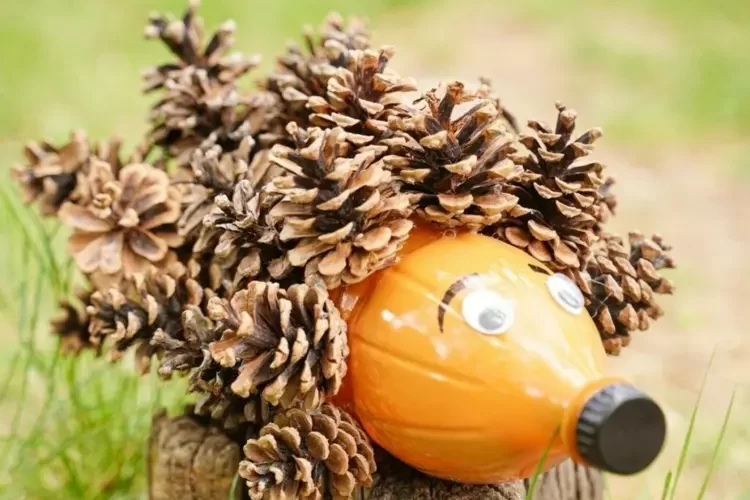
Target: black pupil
(491, 319)
(571, 298)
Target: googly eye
(566, 293)
(487, 312)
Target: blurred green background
(669, 81)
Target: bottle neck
(573, 412)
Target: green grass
(688, 436)
(672, 480)
(71, 428)
(717, 448)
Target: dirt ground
(678, 190)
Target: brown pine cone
(215, 172)
(301, 75)
(148, 313)
(457, 165)
(123, 222)
(339, 210)
(361, 95)
(201, 102)
(559, 204)
(621, 286)
(242, 246)
(185, 38)
(288, 345)
(51, 173)
(187, 350)
(308, 455)
(195, 110)
(71, 324)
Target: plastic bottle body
(457, 402)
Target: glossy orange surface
(458, 403)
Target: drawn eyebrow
(539, 269)
(452, 291)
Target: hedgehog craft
(338, 261)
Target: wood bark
(567, 481)
(189, 460)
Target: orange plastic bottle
(470, 359)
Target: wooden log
(191, 460)
(567, 481)
(570, 481)
(397, 481)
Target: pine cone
(123, 222)
(201, 102)
(457, 165)
(72, 323)
(308, 455)
(289, 345)
(559, 204)
(303, 75)
(242, 245)
(149, 313)
(339, 207)
(195, 110)
(620, 286)
(51, 173)
(187, 351)
(215, 172)
(361, 95)
(185, 39)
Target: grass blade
(667, 484)
(22, 225)
(24, 364)
(540, 468)
(233, 490)
(691, 426)
(8, 378)
(49, 251)
(607, 489)
(715, 454)
(29, 349)
(49, 400)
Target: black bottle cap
(620, 430)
